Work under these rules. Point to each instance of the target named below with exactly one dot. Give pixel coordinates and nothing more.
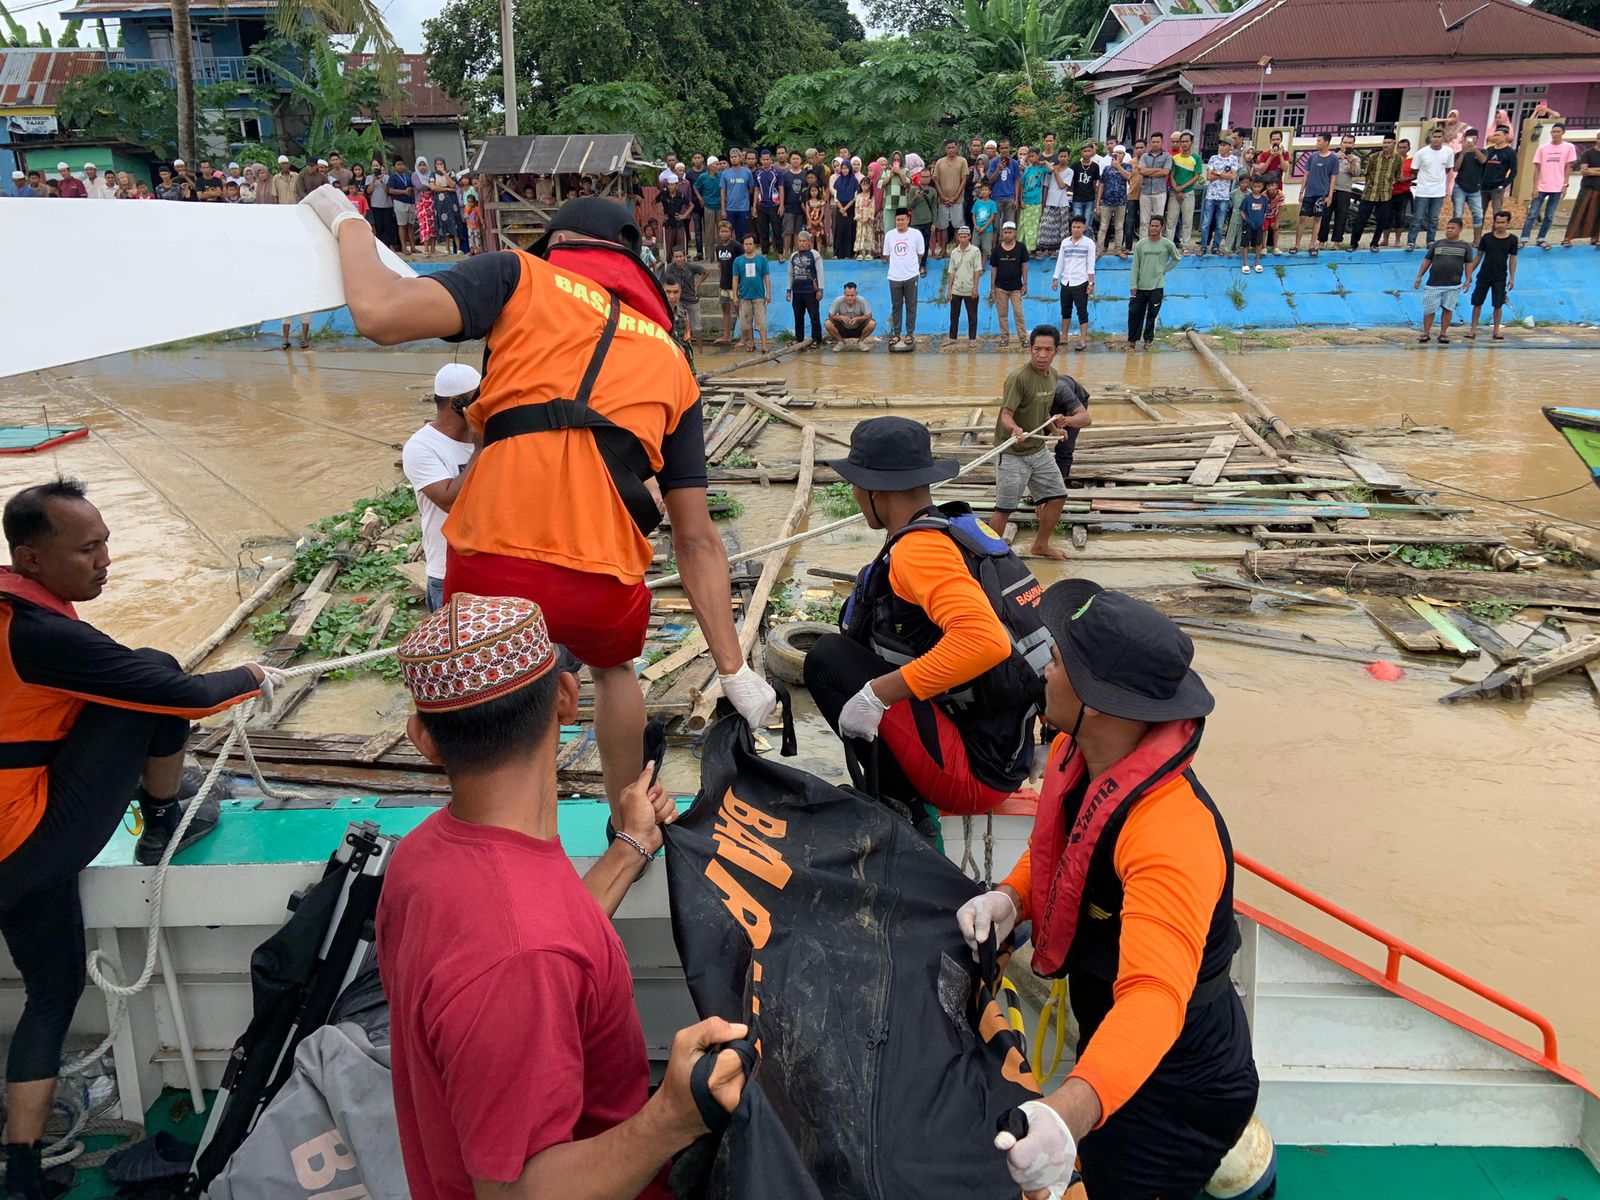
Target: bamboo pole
(783, 414)
(202, 650)
(756, 609)
(1279, 425)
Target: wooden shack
(523, 180)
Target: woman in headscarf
(447, 209)
(264, 192)
(844, 187)
(866, 226)
(422, 187)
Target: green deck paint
(248, 834)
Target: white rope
(99, 965)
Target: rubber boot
(25, 1177)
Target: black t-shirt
(1071, 396)
(1084, 178)
(1590, 158)
(1008, 266)
(794, 188)
(817, 175)
(1469, 172)
(483, 286)
(726, 252)
(1447, 262)
(1497, 254)
(1500, 167)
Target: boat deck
(1304, 1172)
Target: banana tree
(1006, 35)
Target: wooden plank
(1370, 473)
(1396, 618)
(693, 646)
(1576, 630)
(1209, 469)
(301, 628)
(379, 744)
(789, 418)
(1542, 589)
(1251, 436)
(1450, 636)
(1516, 683)
(1139, 403)
(237, 617)
(1516, 633)
(1268, 639)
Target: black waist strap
(620, 449)
(1207, 990)
(26, 756)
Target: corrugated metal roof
(558, 154)
(33, 78)
(425, 100)
(142, 8)
(1331, 31)
(1404, 72)
(1155, 43)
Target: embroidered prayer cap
(475, 649)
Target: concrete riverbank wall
(1336, 289)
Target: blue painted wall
(1336, 290)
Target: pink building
(1344, 66)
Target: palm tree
(361, 17)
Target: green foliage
(325, 97)
(330, 533)
(908, 16)
(710, 64)
(633, 106)
(1584, 12)
(837, 499)
(738, 459)
(899, 96)
(1026, 104)
(137, 107)
(1007, 35)
(724, 507)
(1236, 295)
(1493, 611)
(1432, 557)
(268, 627)
(785, 601)
(827, 611)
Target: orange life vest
(550, 490)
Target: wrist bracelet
(635, 843)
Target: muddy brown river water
(1470, 831)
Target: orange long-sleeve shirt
(1172, 870)
(926, 569)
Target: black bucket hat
(893, 454)
(1124, 657)
(595, 217)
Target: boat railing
(1396, 952)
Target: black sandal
(1427, 337)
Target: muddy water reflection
(1468, 831)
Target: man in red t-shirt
(519, 1063)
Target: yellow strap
(137, 825)
(1054, 1010)
(1012, 1006)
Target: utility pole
(508, 66)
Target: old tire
(787, 647)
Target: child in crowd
(474, 221)
(357, 197)
(1253, 213)
(1241, 192)
(1274, 207)
(816, 215)
(983, 216)
(649, 249)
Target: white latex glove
(861, 714)
(1043, 1160)
(751, 696)
(332, 205)
(991, 913)
(271, 679)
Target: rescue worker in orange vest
(1128, 881)
(86, 725)
(585, 398)
(926, 656)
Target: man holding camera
(435, 459)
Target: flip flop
(1471, 337)
(1499, 337)
(1427, 337)
(1443, 341)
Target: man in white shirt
(435, 459)
(95, 184)
(903, 247)
(1074, 279)
(1431, 165)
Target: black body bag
(822, 919)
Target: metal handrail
(1398, 951)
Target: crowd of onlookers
(416, 208)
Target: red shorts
(602, 620)
(944, 780)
